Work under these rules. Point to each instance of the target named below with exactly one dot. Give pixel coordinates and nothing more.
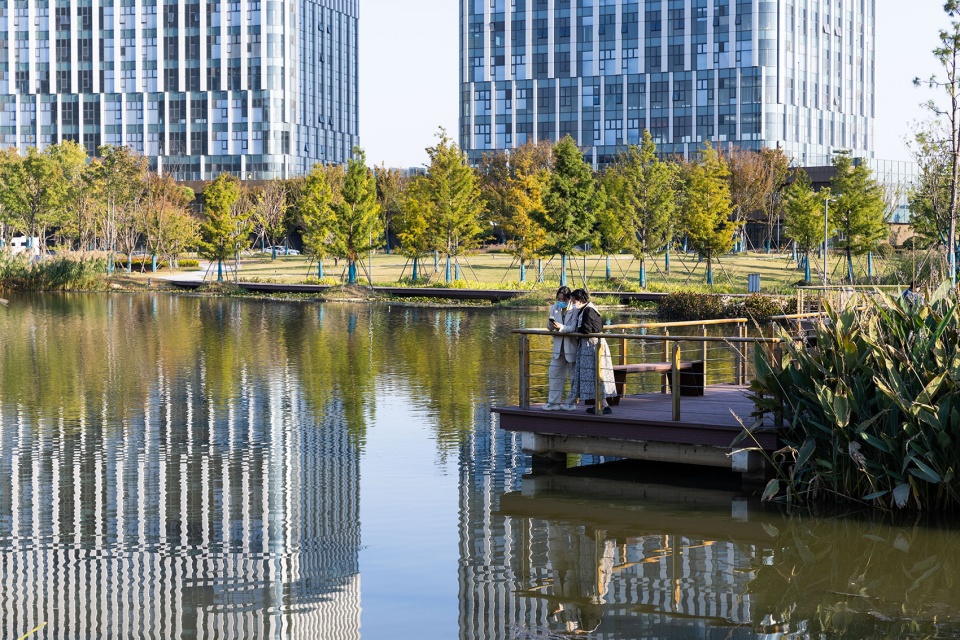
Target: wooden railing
(672, 347)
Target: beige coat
(568, 324)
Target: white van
(18, 244)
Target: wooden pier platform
(642, 428)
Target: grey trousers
(560, 370)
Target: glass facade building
(794, 74)
(259, 88)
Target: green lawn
(778, 272)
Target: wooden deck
(641, 427)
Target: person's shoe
(550, 407)
(568, 407)
(606, 411)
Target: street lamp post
(826, 231)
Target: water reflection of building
(534, 561)
(197, 518)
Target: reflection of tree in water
(859, 579)
(76, 356)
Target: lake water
(179, 467)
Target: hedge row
(684, 306)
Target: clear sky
(409, 77)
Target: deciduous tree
(948, 55)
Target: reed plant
(870, 406)
(54, 273)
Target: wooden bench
(691, 376)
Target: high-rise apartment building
(260, 88)
(794, 74)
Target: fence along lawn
(499, 270)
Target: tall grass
(56, 273)
(871, 413)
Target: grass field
(778, 272)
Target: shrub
(871, 413)
(760, 307)
(682, 305)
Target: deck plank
(713, 419)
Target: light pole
(826, 231)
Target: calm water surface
(175, 467)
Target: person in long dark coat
(585, 371)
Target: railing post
(743, 360)
(741, 356)
(623, 351)
(524, 371)
(666, 358)
(675, 382)
(703, 355)
(598, 382)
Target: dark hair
(580, 295)
(563, 291)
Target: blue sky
(409, 78)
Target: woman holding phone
(563, 319)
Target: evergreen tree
(356, 227)
(314, 206)
(646, 199)
(610, 234)
(859, 211)
(224, 230)
(390, 187)
(706, 218)
(412, 223)
(803, 219)
(453, 196)
(567, 217)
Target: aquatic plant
(869, 405)
(54, 273)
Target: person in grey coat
(563, 319)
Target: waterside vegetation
(870, 406)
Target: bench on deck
(691, 376)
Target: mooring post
(524, 372)
(675, 382)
